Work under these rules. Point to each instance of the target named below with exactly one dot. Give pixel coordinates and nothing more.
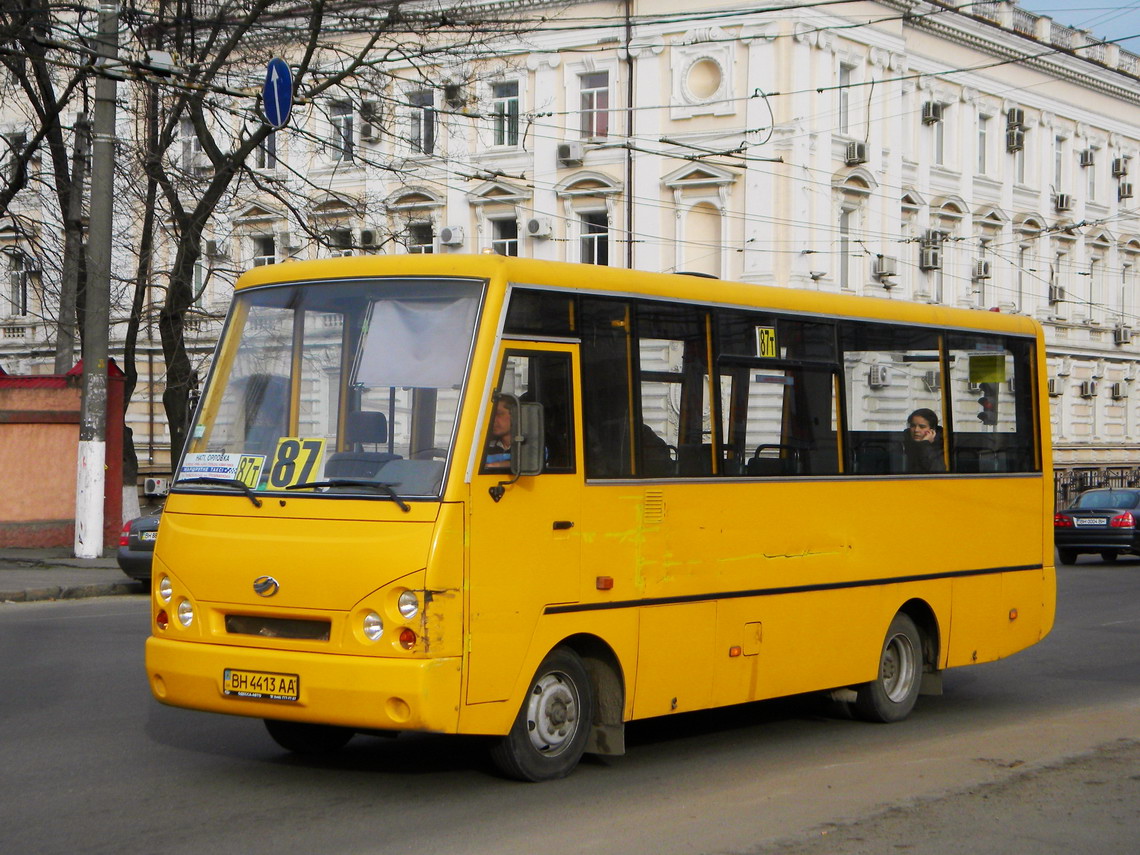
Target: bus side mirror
(528, 443)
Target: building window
(14, 145)
(267, 152)
(1022, 265)
(845, 248)
(420, 239)
(595, 237)
(1019, 161)
(1059, 164)
(595, 104)
(17, 285)
(190, 147)
(983, 143)
(1091, 170)
(340, 114)
(939, 129)
(421, 134)
(201, 277)
(506, 236)
(264, 250)
(844, 95)
(505, 112)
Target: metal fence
(1067, 483)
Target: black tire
(1108, 556)
(303, 738)
(893, 692)
(1067, 556)
(549, 735)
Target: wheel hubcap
(899, 667)
(552, 713)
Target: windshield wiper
(224, 482)
(385, 486)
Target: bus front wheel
(549, 735)
(303, 738)
(893, 692)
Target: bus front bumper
(350, 691)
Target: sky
(1109, 19)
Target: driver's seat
(361, 428)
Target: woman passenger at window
(922, 443)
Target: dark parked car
(136, 546)
(1103, 520)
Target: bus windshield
(334, 387)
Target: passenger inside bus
(922, 442)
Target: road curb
(71, 592)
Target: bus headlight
(165, 589)
(185, 613)
(408, 604)
(373, 626)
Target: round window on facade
(703, 79)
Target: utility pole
(91, 474)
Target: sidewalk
(54, 574)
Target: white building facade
(980, 158)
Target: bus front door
(525, 547)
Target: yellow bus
(483, 495)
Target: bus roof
(616, 281)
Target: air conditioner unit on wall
(930, 257)
(539, 227)
(368, 237)
(1015, 118)
(1056, 293)
(932, 379)
(878, 376)
(1119, 167)
(1088, 389)
(981, 268)
(570, 153)
(1119, 390)
(1014, 139)
(451, 235)
(856, 153)
(1122, 335)
(883, 266)
(931, 113)
(1125, 191)
(155, 486)
(1063, 202)
(1056, 387)
(1088, 157)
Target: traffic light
(988, 414)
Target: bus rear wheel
(893, 692)
(303, 738)
(549, 735)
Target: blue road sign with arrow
(277, 96)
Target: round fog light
(373, 626)
(185, 613)
(408, 604)
(165, 589)
(407, 639)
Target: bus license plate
(260, 684)
(1089, 521)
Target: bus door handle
(563, 525)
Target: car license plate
(1089, 521)
(145, 536)
(260, 684)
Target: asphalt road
(1033, 754)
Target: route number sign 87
(296, 461)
